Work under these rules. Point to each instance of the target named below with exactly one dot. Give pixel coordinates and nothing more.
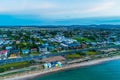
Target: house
(14, 53)
(60, 39)
(116, 43)
(50, 48)
(93, 44)
(17, 42)
(70, 45)
(37, 43)
(46, 44)
(108, 50)
(25, 51)
(33, 50)
(8, 47)
(42, 48)
(36, 35)
(83, 45)
(3, 54)
(1, 42)
(5, 36)
(1, 36)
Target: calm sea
(105, 71)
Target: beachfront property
(33, 50)
(14, 53)
(59, 39)
(25, 51)
(8, 47)
(108, 50)
(51, 62)
(43, 49)
(70, 45)
(3, 54)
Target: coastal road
(29, 58)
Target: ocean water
(104, 71)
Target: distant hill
(18, 20)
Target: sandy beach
(42, 72)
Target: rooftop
(3, 51)
(52, 59)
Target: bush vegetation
(17, 65)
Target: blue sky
(50, 12)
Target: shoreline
(75, 65)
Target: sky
(59, 12)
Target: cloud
(79, 10)
(24, 5)
(100, 7)
(56, 9)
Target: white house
(42, 48)
(3, 54)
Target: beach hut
(54, 61)
(49, 65)
(56, 65)
(45, 66)
(59, 64)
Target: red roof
(3, 51)
(34, 49)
